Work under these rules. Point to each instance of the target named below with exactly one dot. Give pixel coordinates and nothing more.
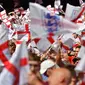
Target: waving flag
(3, 14)
(7, 22)
(16, 69)
(4, 17)
(73, 12)
(44, 43)
(43, 22)
(4, 52)
(22, 32)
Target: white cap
(45, 65)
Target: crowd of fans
(51, 67)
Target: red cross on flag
(4, 52)
(16, 69)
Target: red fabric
(79, 21)
(83, 42)
(27, 27)
(75, 45)
(71, 59)
(4, 46)
(51, 40)
(51, 34)
(83, 83)
(65, 47)
(23, 62)
(18, 42)
(83, 33)
(21, 32)
(36, 40)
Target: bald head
(60, 76)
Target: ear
(62, 80)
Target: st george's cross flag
(16, 69)
(21, 32)
(4, 51)
(3, 14)
(73, 12)
(4, 17)
(43, 22)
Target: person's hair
(69, 54)
(71, 69)
(76, 59)
(34, 57)
(79, 46)
(0, 21)
(52, 51)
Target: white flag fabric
(16, 69)
(24, 65)
(44, 43)
(81, 65)
(18, 27)
(73, 12)
(81, 52)
(43, 22)
(69, 40)
(57, 3)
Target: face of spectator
(33, 79)
(76, 50)
(65, 56)
(12, 47)
(34, 66)
(75, 35)
(59, 77)
(53, 55)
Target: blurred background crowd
(25, 3)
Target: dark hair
(34, 57)
(71, 69)
(0, 21)
(76, 59)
